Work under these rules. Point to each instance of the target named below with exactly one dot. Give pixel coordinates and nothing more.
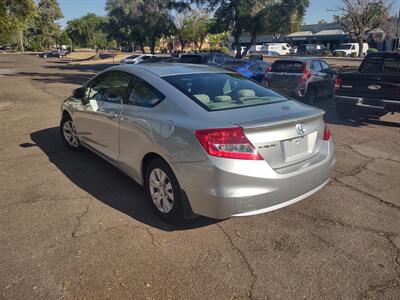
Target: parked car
(266, 53)
(293, 50)
(209, 58)
(201, 140)
(53, 53)
(310, 50)
(161, 59)
(254, 69)
(302, 78)
(135, 59)
(373, 90)
(351, 48)
(281, 48)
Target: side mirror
(79, 93)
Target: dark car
(303, 78)
(310, 50)
(373, 90)
(53, 53)
(254, 69)
(210, 58)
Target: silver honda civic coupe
(201, 140)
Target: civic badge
(300, 129)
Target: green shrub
(372, 50)
(224, 49)
(353, 54)
(326, 53)
(338, 54)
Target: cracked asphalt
(74, 227)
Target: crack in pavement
(79, 219)
(392, 205)
(246, 262)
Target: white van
(349, 48)
(281, 48)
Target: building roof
(330, 32)
(314, 28)
(300, 33)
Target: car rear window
(221, 91)
(287, 66)
(191, 59)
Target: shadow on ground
(104, 182)
(328, 105)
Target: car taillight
(306, 74)
(338, 83)
(269, 68)
(227, 143)
(327, 133)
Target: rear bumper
(222, 188)
(371, 104)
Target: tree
(255, 17)
(184, 28)
(88, 31)
(201, 24)
(43, 31)
(359, 17)
(14, 18)
(144, 21)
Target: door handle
(376, 78)
(111, 115)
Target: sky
(318, 9)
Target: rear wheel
(344, 111)
(311, 96)
(163, 190)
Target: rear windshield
(193, 59)
(344, 47)
(221, 91)
(287, 66)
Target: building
(329, 34)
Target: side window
(325, 66)
(391, 65)
(316, 66)
(143, 94)
(219, 59)
(372, 64)
(255, 68)
(109, 87)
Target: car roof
(167, 69)
(300, 59)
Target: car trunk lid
(283, 133)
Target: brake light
(306, 73)
(338, 83)
(269, 68)
(227, 143)
(327, 133)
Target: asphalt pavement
(72, 226)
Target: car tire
(68, 133)
(163, 190)
(344, 111)
(311, 96)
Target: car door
(139, 121)
(329, 77)
(318, 78)
(98, 120)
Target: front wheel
(68, 133)
(163, 190)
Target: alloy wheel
(161, 190)
(70, 135)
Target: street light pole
(397, 32)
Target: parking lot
(73, 226)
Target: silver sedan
(201, 140)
